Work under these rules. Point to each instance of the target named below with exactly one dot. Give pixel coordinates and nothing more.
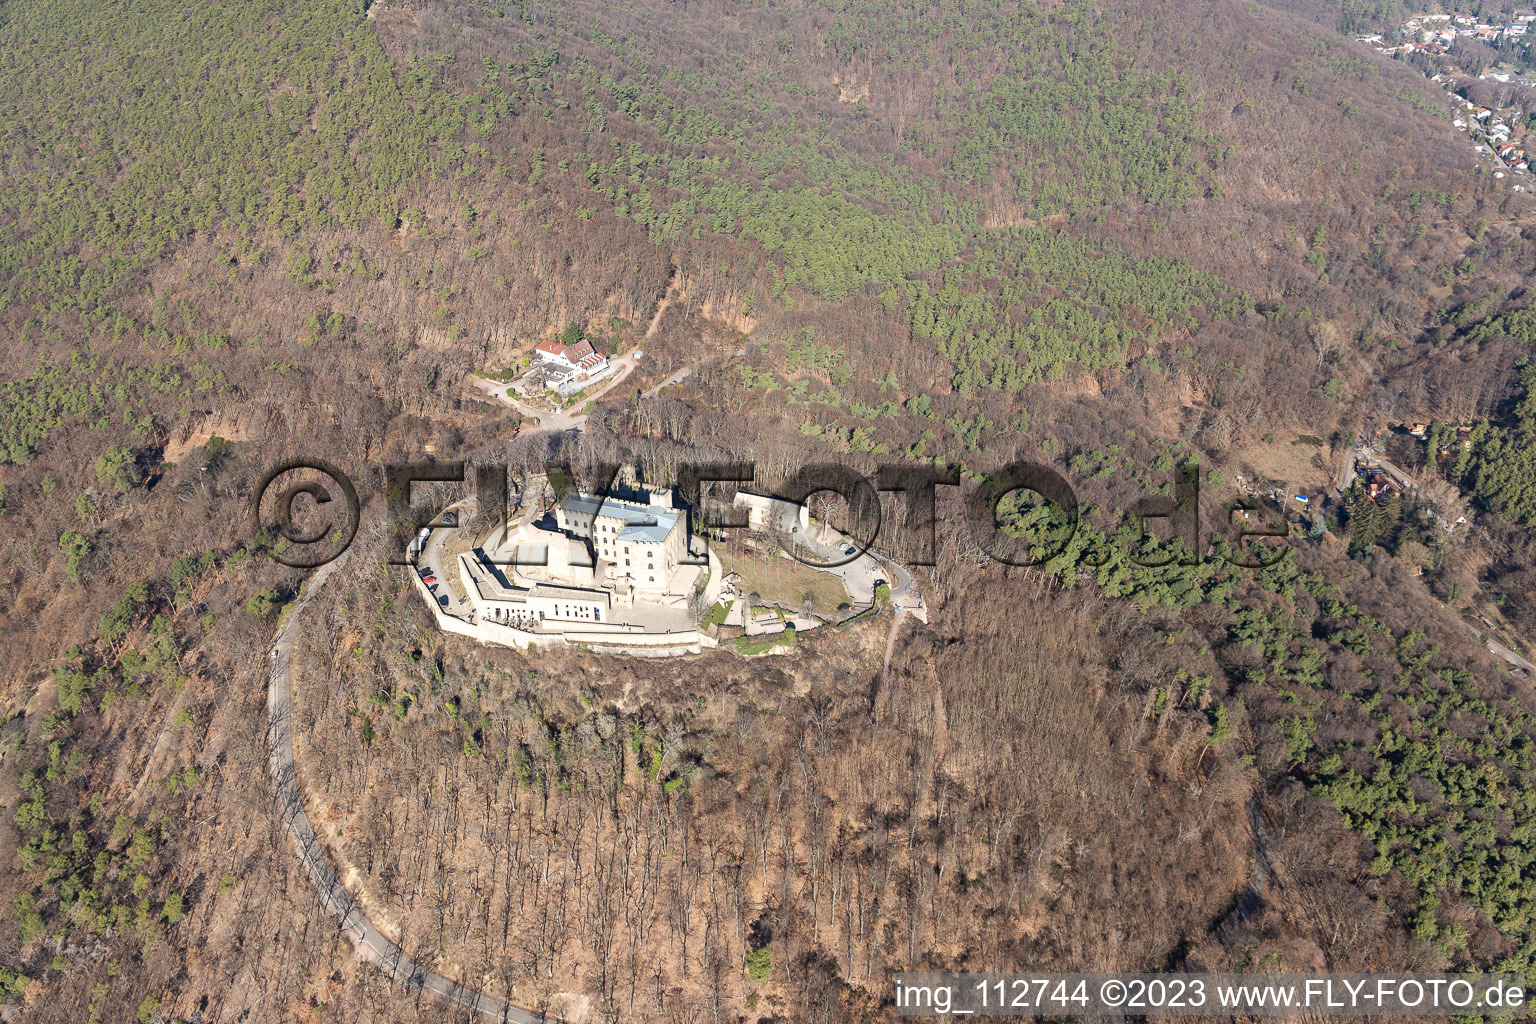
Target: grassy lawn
(717, 614)
(749, 645)
(785, 581)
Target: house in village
(1380, 486)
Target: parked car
(849, 549)
(432, 587)
(429, 580)
(449, 519)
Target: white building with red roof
(580, 356)
(569, 368)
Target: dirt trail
(890, 644)
(1259, 881)
(161, 740)
(885, 669)
(661, 307)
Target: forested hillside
(1117, 237)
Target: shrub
(76, 547)
(760, 964)
(216, 451)
(113, 467)
(262, 603)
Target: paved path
(676, 378)
(1498, 649)
(1347, 475)
(371, 944)
(861, 573)
(686, 372)
(448, 584)
(1396, 472)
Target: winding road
(372, 945)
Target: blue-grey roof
(652, 534)
(641, 522)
